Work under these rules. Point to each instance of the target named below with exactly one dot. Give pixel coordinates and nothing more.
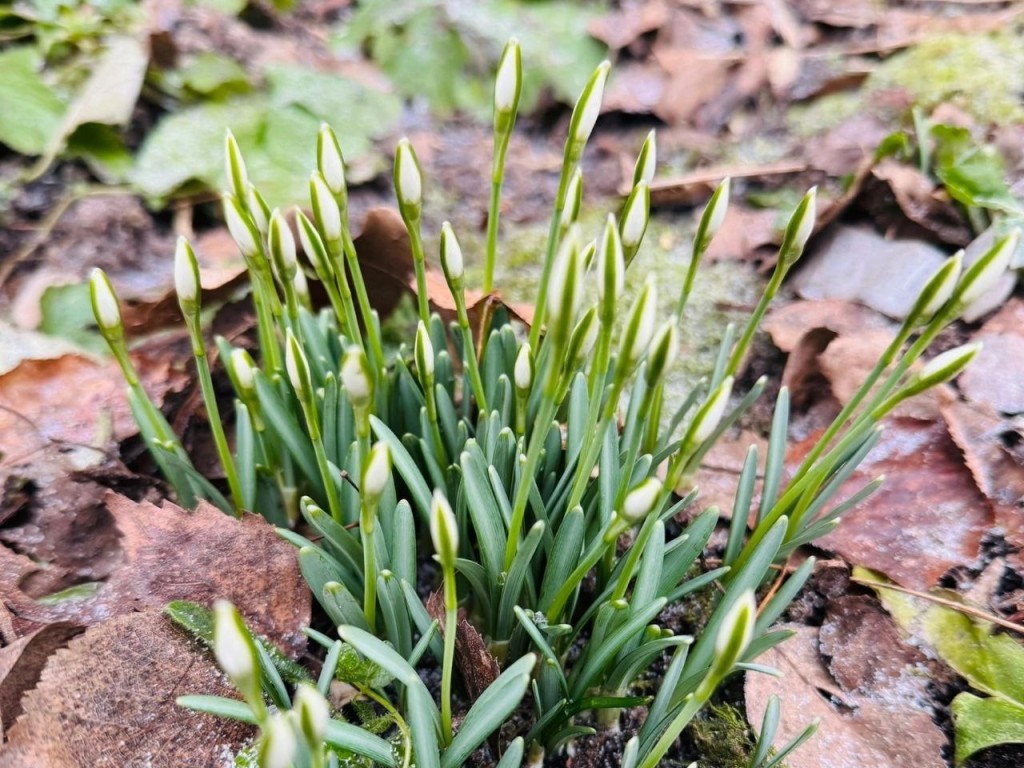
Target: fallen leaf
(694, 79)
(620, 28)
(477, 667)
(32, 109)
(995, 378)
(922, 202)
(789, 324)
(743, 232)
(855, 730)
(108, 700)
(927, 517)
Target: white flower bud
(232, 649)
(244, 370)
(944, 367)
(279, 743)
(663, 352)
(356, 378)
(325, 208)
(641, 324)
(646, 161)
(301, 286)
(241, 229)
(611, 266)
(565, 289)
(408, 180)
(939, 288)
(297, 367)
(708, 417)
(735, 633)
(282, 245)
(801, 225)
(573, 198)
(640, 501)
(424, 352)
(378, 470)
(588, 108)
(258, 209)
(329, 159)
(523, 371)
(636, 216)
(234, 167)
(451, 256)
(104, 302)
(986, 271)
(313, 710)
(186, 272)
(717, 207)
(312, 245)
(508, 82)
(444, 530)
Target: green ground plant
(537, 463)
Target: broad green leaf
(67, 313)
(982, 723)
(973, 173)
(102, 149)
(31, 112)
(213, 75)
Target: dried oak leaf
(477, 666)
(855, 730)
(171, 554)
(926, 518)
(108, 700)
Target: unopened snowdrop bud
(282, 247)
(710, 415)
(986, 271)
(186, 277)
(424, 352)
(301, 288)
(241, 227)
(564, 289)
(298, 368)
(258, 209)
(611, 270)
(104, 305)
(451, 258)
(641, 324)
(663, 352)
(377, 472)
(329, 160)
(635, 216)
(640, 501)
(444, 531)
(325, 208)
(587, 110)
(523, 370)
(244, 372)
(279, 746)
(234, 167)
(584, 335)
(509, 81)
(356, 378)
(234, 650)
(800, 228)
(937, 290)
(645, 161)
(941, 368)
(408, 179)
(573, 199)
(313, 712)
(714, 214)
(313, 246)
(733, 638)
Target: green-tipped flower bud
(734, 636)
(582, 340)
(444, 531)
(234, 649)
(986, 271)
(357, 378)
(573, 199)
(282, 247)
(508, 83)
(241, 227)
(663, 352)
(301, 288)
(565, 290)
(941, 368)
(377, 472)
(258, 209)
(297, 366)
(186, 278)
(800, 228)
(640, 501)
(643, 171)
(938, 289)
(611, 270)
(713, 216)
(325, 208)
(313, 712)
(104, 305)
(279, 747)
(587, 110)
(244, 371)
(408, 180)
(424, 352)
(313, 246)
(329, 160)
(234, 167)
(710, 415)
(451, 258)
(640, 326)
(522, 373)
(635, 216)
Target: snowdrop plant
(544, 473)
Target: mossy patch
(721, 738)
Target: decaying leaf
(995, 378)
(108, 701)
(477, 667)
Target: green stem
(549, 254)
(690, 708)
(213, 416)
(605, 539)
(494, 210)
(469, 352)
(419, 261)
(356, 272)
(451, 605)
(366, 528)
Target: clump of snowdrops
(538, 466)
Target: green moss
(722, 738)
(825, 112)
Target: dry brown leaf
(928, 516)
(855, 730)
(922, 202)
(995, 378)
(477, 667)
(788, 325)
(743, 232)
(620, 28)
(108, 701)
(694, 79)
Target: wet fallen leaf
(108, 700)
(855, 730)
